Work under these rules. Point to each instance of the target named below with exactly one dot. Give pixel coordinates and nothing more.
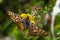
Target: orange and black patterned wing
(35, 30)
(17, 19)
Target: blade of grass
(6, 24)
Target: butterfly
(24, 24)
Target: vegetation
(36, 10)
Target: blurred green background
(9, 28)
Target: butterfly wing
(17, 19)
(35, 30)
